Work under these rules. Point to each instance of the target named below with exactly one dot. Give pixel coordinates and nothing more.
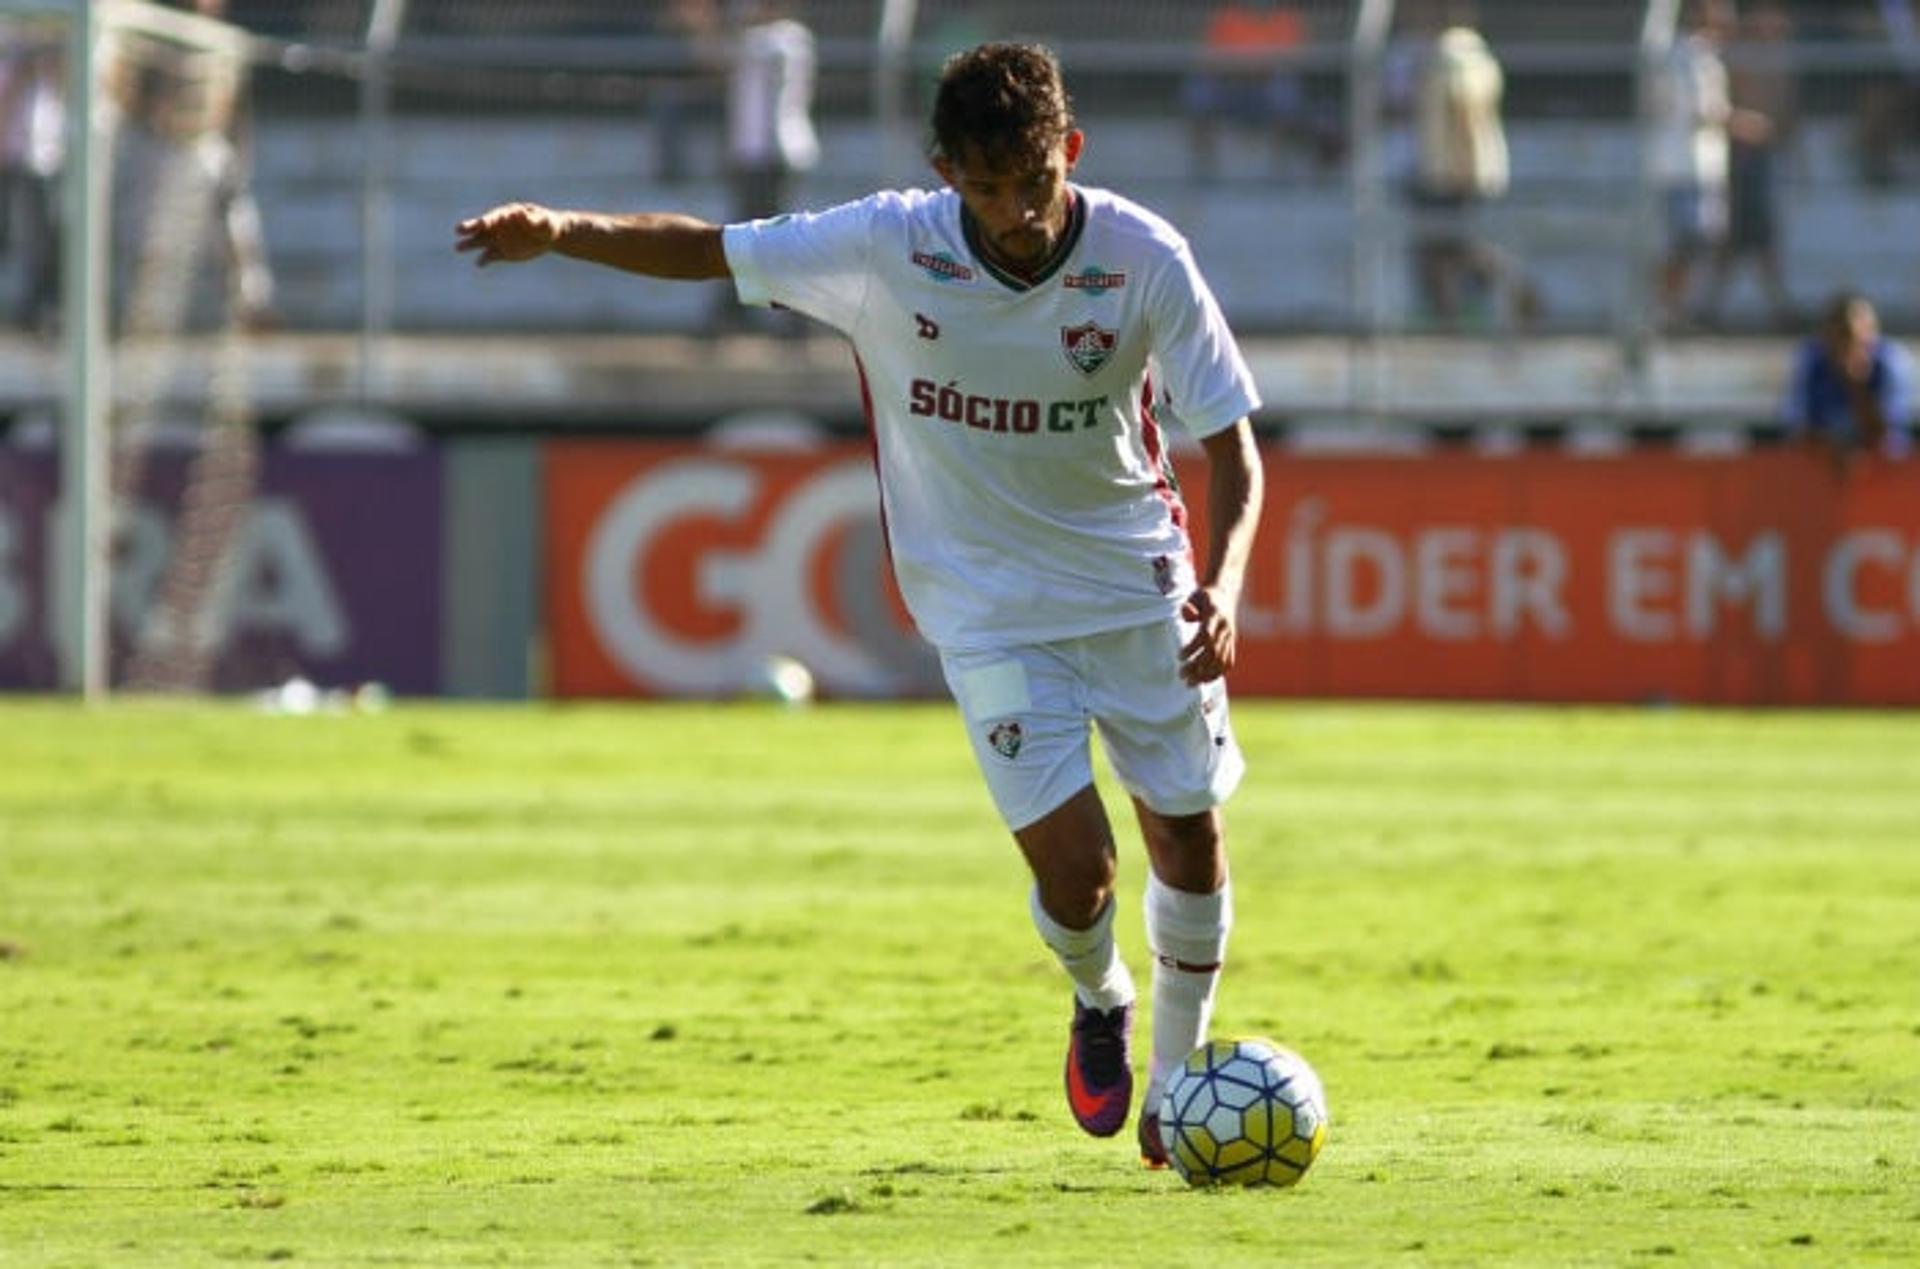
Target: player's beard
(1027, 245)
(1024, 247)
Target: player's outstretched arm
(653, 244)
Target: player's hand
(1211, 651)
(510, 233)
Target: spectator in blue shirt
(1852, 390)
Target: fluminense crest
(1088, 346)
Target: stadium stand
(497, 100)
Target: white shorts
(1027, 711)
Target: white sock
(1090, 956)
(1188, 936)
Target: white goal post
(95, 32)
(78, 582)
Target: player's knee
(1188, 851)
(1076, 889)
(1188, 834)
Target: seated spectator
(1852, 389)
(1247, 76)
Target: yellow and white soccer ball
(1243, 1112)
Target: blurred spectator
(1248, 75)
(1890, 111)
(1852, 389)
(770, 136)
(32, 150)
(182, 192)
(1401, 61)
(1765, 123)
(1691, 113)
(1461, 164)
(693, 29)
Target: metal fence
(1292, 164)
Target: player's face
(1021, 209)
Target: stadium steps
(1277, 250)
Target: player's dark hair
(1005, 101)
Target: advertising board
(1767, 578)
(332, 572)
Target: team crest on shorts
(1005, 739)
(1088, 346)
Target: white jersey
(1024, 477)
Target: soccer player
(1020, 339)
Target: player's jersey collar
(1069, 239)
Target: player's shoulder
(1135, 226)
(882, 214)
(905, 210)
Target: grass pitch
(684, 985)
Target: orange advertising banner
(677, 570)
(1769, 578)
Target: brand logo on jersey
(942, 266)
(929, 329)
(1005, 740)
(1094, 280)
(1088, 347)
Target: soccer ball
(1243, 1112)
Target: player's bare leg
(1071, 853)
(1070, 850)
(1189, 910)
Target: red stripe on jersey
(1156, 454)
(873, 452)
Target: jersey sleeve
(1204, 380)
(814, 262)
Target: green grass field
(727, 985)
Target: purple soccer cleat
(1099, 1070)
(1153, 1152)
